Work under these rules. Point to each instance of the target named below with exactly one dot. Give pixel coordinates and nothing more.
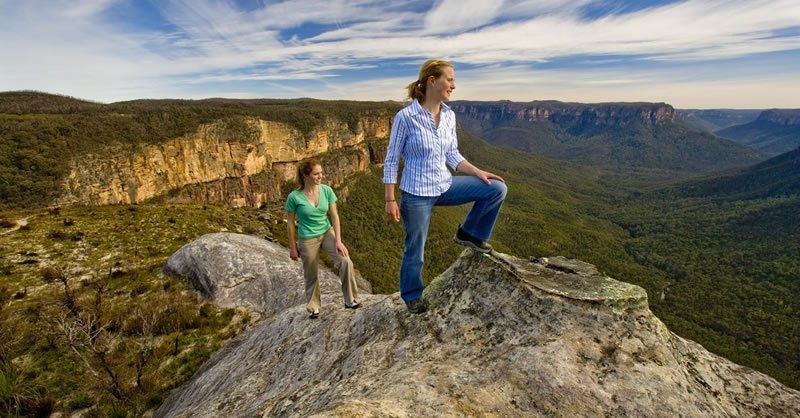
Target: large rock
(235, 270)
(503, 337)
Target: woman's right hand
(293, 254)
(392, 211)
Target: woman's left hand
(486, 176)
(342, 249)
(467, 168)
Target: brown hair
(304, 169)
(431, 68)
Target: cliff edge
(504, 337)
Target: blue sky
(691, 54)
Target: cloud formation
(116, 49)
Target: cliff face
(209, 166)
(604, 114)
(504, 337)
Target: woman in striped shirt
(424, 135)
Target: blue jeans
(416, 214)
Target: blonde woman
(313, 204)
(424, 135)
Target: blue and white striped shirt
(425, 150)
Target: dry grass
(94, 323)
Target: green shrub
(80, 401)
(178, 316)
(20, 396)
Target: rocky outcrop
(234, 270)
(504, 337)
(568, 114)
(217, 167)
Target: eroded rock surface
(504, 337)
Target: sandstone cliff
(213, 166)
(504, 337)
(560, 113)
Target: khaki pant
(309, 253)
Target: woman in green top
(313, 204)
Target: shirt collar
(417, 108)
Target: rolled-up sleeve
(397, 140)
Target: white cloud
(529, 8)
(745, 87)
(83, 7)
(452, 16)
(387, 27)
(69, 47)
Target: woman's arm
(391, 165)
(397, 138)
(293, 253)
(392, 210)
(467, 168)
(337, 230)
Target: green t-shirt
(312, 221)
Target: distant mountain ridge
(775, 131)
(712, 120)
(638, 135)
(568, 114)
(786, 117)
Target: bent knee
(499, 187)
